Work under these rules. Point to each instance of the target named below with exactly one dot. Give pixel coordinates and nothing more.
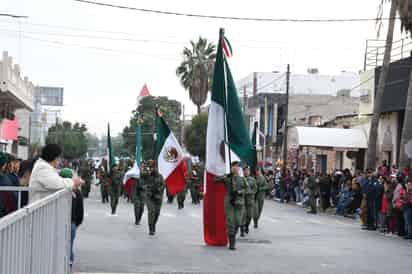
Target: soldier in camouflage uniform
(195, 182)
(311, 186)
(181, 196)
(138, 199)
(250, 193)
(115, 185)
(86, 174)
(234, 202)
(155, 187)
(103, 178)
(262, 187)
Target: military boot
(242, 231)
(232, 242)
(246, 229)
(151, 230)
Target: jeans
(298, 194)
(73, 235)
(407, 213)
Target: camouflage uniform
(103, 178)
(234, 204)
(155, 187)
(86, 174)
(262, 187)
(138, 199)
(181, 196)
(250, 193)
(195, 182)
(115, 186)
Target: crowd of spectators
(382, 199)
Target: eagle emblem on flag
(171, 155)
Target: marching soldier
(115, 186)
(250, 193)
(86, 174)
(103, 183)
(154, 194)
(195, 182)
(262, 187)
(234, 202)
(138, 199)
(181, 196)
(312, 187)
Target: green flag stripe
(138, 144)
(111, 161)
(162, 132)
(238, 134)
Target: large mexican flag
(169, 157)
(134, 172)
(226, 131)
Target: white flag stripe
(134, 172)
(166, 167)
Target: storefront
(326, 149)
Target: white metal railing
(18, 189)
(36, 239)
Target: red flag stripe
(176, 181)
(214, 219)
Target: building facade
(16, 101)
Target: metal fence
(36, 239)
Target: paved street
(288, 241)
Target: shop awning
(328, 137)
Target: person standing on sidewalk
(45, 179)
(77, 210)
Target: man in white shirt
(45, 179)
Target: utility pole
(182, 134)
(285, 133)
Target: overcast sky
(102, 56)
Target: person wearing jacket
(77, 210)
(7, 198)
(45, 179)
(407, 206)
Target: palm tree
(196, 70)
(373, 133)
(404, 8)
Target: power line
(13, 16)
(163, 12)
(108, 50)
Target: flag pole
(155, 134)
(226, 105)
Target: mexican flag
(228, 140)
(110, 157)
(169, 157)
(134, 172)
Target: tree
(196, 70)
(373, 133)
(146, 112)
(195, 136)
(92, 144)
(72, 138)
